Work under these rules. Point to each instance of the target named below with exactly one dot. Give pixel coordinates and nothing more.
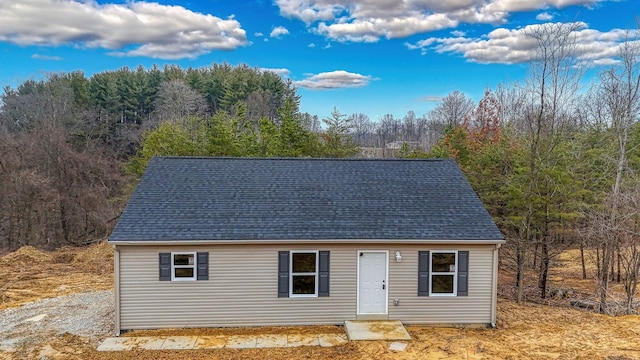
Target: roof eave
(305, 241)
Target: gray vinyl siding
(472, 309)
(242, 289)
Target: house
(215, 242)
(397, 145)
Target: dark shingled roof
(190, 198)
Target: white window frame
(292, 274)
(194, 266)
(454, 274)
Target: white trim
(386, 303)
(494, 285)
(194, 266)
(316, 273)
(116, 287)
(454, 274)
(306, 241)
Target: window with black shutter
(183, 266)
(443, 273)
(303, 273)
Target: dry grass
(29, 274)
(567, 271)
(525, 331)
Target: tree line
(555, 162)
(66, 139)
(115, 107)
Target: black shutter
(164, 261)
(203, 266)
(463, 273)
(423, 273)
(323, 274)
(283, 274)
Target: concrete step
(376, 330)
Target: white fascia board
(306, 241)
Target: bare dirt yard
(59, 305)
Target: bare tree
(409, 123)
(56, 180)
(257, 108)
(554, 79)
(552, 85)
(177, 100)
(434, 130)
(620, 90)
(52, 194)
(388, 131)
(362, 129)
(629, 249)
(512, 100)
(50, 100)
(310, 122)
(452, 110)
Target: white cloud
(278, 31)
(420, 44)
(310, 11)
(458, 33)
(431, 98)
(142, 28)
(334, 80)
(530, 5)
(46, 57)
(369, 21)
(605, 62)
(545, 16)
(311, 45)
(279, 71)
(258, 34)
(423, 45)
(371, 30)
(510, 46)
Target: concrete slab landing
(376, 330)
(221, 341)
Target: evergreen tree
(337, 140)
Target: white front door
(372, 282)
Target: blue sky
(374, 57)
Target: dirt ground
(547, 329)
(29, 274)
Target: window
(443, 272)
(304, 273)
(184, 266)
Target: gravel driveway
(84, 314)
